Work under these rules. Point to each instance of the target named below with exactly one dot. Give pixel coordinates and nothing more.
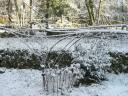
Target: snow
(20, 83)
(32, 44)
(119, 46)
(44, 44)
(87, 30)
(26, 82)
(117, 85)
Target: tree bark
(90, 9)
(47, 14)
(9, 10)
(99, 12)
(18, 12)
(30, 21)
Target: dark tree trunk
(9, 8)
(47, 14)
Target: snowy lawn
(117, 85)
(15, 82)
(45, 44)
(20, 83)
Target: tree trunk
(23, 14)
(47, 14)
(18, 12)
(9, 8)
(99, 12)
(30, 21)
(90, 9)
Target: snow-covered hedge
(19, 59)
(24, 59)
(61, 58)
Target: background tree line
(94, 11)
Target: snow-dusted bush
(24, 59)
(93, 60)
(119, 62)
(19, 59)
(61, 58)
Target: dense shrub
(23, 59)
(119, 62)
(19, 59)
(91, 74)
(93, 63)
(61, 58)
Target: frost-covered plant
(119, 62)
(61, 58)
(21, 59)
(93, 59)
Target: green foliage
(59, 7)
(56, 7)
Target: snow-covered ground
(43, 44)
(117, 85)
(15, 82)
(20, 83)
